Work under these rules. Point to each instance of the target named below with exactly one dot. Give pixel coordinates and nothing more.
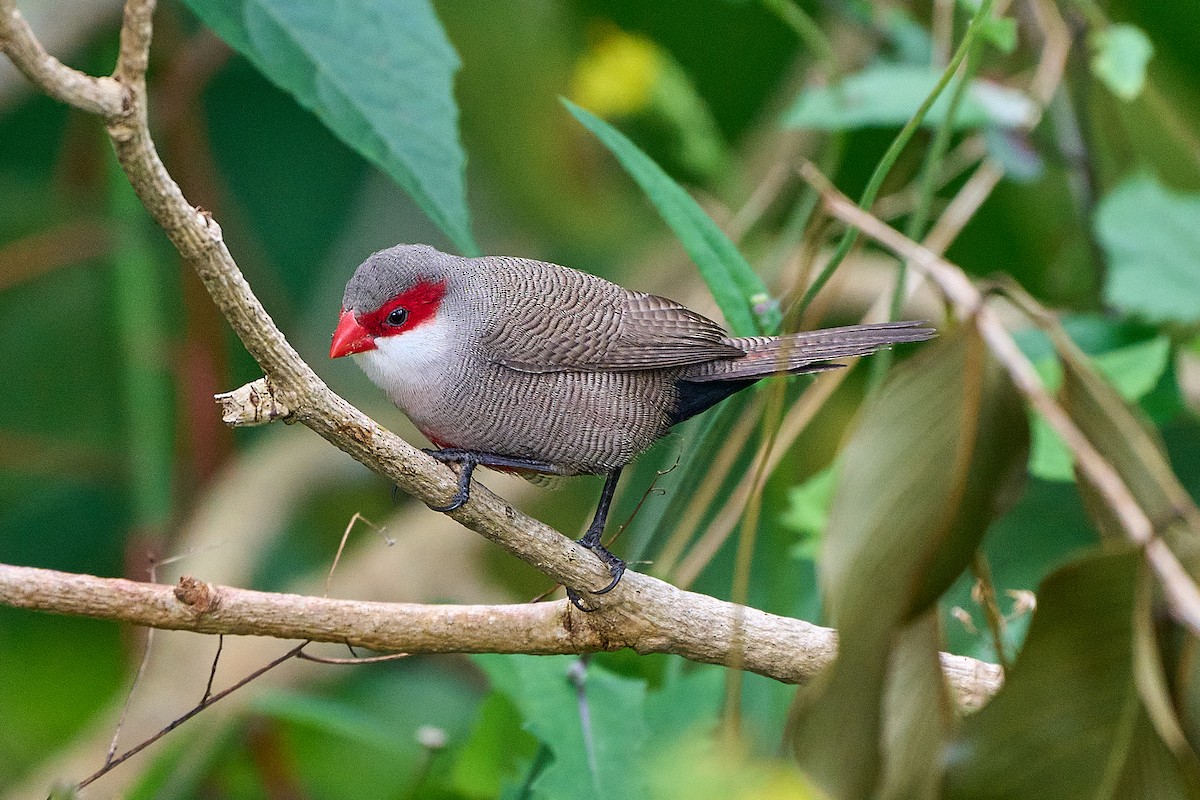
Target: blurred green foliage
(112, 457)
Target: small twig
(942, 31)
(342, 545)
(1056, 48)
(355, 660)
(152, 571)
(251, 405)
(985, 595)
(212, 671)
(966, 155)
(133, 751)
(652, 489)
(963, 207)
(101, 96)
(850, 237)
(702, 496)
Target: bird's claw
(467, 467)
(576, 601)
(457, 502)
(616, 568)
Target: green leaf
(1162, 752)
(909, 38)
(496, 749)
(710, 768)
(739, 292)
(1152, 770)
(1120, 54)
(378, 73)
(934, 455)
(597, 741)
(1153, 245)
(687, 702)
(1132, 371)
(334, 717)
(808, 511)
(919, 714)
(1063, 724)
(948, 428)
(889, 95)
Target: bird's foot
(470, 459)
(616, 567)
(467, 462)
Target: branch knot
(201, 597)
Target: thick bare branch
(662, 619)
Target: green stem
(919, 219)
(808, 30)
(893, 153)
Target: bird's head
(393, 293)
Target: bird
(535, 368)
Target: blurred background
(114, 462)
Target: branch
(104, 97)
(644, 613)
(662, 620)
(1181, 591)
(293, 384)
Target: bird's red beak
(350, 337)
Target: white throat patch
(411, 366)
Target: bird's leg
(466, 470)
(470, 459)
(591, 540)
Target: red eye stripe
(421, 301)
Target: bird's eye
(398, 317)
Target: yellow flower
(617, 73)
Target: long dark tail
(705, 385)
(811, 351)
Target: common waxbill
(532, 367)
